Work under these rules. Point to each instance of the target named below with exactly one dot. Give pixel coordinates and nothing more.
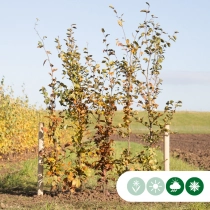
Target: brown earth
(192, 148)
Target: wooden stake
(40, 159)
(166, 150)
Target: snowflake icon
(194, 186)
(136, 183)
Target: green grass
(183, 122)
(24, 174)
(191, 122)
(23, 177)
(175, 164)
(20, 176)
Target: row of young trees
(92, 98)
(18, 123)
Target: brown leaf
(45, 129)
(44, 62)
(67, 144)
(54, 69)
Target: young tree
(145, 54)
(95, 90)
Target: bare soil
(192, 148)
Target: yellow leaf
(127, 41)
(120, 23)
(100, 103)
(76, 182)
(97, 66)
(70, 176)
(53, 183)
(111, 62)
(133, 51)
(51, 159)
(82, 154)
(55, 178)
(151, 162)
(88, 172)
(62, 55)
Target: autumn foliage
(91, 97)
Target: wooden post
(166, 150)
(40, 159)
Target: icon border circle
(141, 183)
(159, 179)
(168, 185)
(194, 193)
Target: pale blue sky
(186, 69)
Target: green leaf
(160, 60)
(171, 102)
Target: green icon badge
(194, 186)
(155, 186)
(136, 186)
(175, 186)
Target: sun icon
(155, 186)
